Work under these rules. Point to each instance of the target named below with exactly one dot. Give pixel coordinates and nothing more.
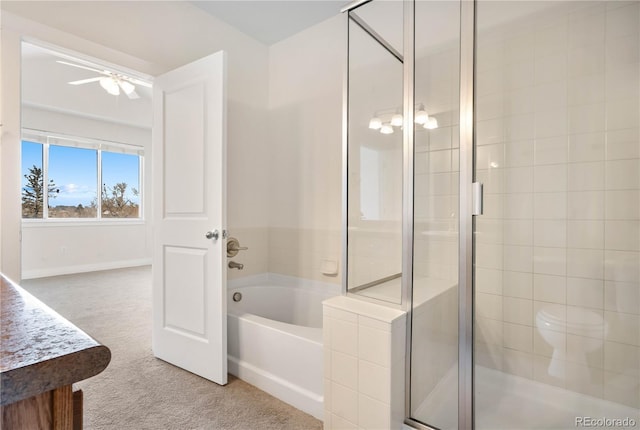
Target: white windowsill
(79, 222)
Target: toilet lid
(580, 317)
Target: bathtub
(275, 337)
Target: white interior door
(189, 161)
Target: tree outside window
(72, 174)
(33, 193)
(120, 185)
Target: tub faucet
(234, 265)
(233, 247)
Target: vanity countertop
(39, 349)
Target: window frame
(46, 139)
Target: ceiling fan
(111, 82)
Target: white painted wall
(75, 125)
(305, 117)
(151, 37)
(10, 214)
(53, 248)
(284, 174)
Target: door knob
(215, 234)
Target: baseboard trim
(83, 268)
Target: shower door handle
(477, 197)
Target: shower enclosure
(492, 167)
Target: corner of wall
(10, 155)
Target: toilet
(553, 326)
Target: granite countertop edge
(24, 382)
(41, 350)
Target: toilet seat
(583, 320)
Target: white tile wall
(549, 288)
(558, 114)
(518, 284)
(255, 258)
(299, 252)
(364, 350)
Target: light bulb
(396, 120)
(375, 123)
(421, 117)
(431, 123)
(386, 129)
(110, 85)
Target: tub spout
(234, 265)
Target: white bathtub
(275, 337)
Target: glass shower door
(434, 316)
(557, 250)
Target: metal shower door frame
(465, 218)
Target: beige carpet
(138, 391)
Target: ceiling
(271, 21)
(45, 87)
(45, 80)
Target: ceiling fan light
(127, 87)
(110, 85)
(396, 120)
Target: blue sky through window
(31, 156)
(75, 172)
(121, 168)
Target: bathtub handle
(233, 247)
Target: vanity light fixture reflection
(396, 120)
(384, 120)
(375, 123)
(386, 129)
(431, 123)
(421, 117)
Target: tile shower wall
(436, 164)
(558, 152)
(301, 252)
(364, 356)
(255, 259)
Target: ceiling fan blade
(85, 81)
(82, 67)
(108, 73)
(129, 89)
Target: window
(85, 178)
(72, 174)
(120, 185)
(32, 180)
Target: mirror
(375, 118)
